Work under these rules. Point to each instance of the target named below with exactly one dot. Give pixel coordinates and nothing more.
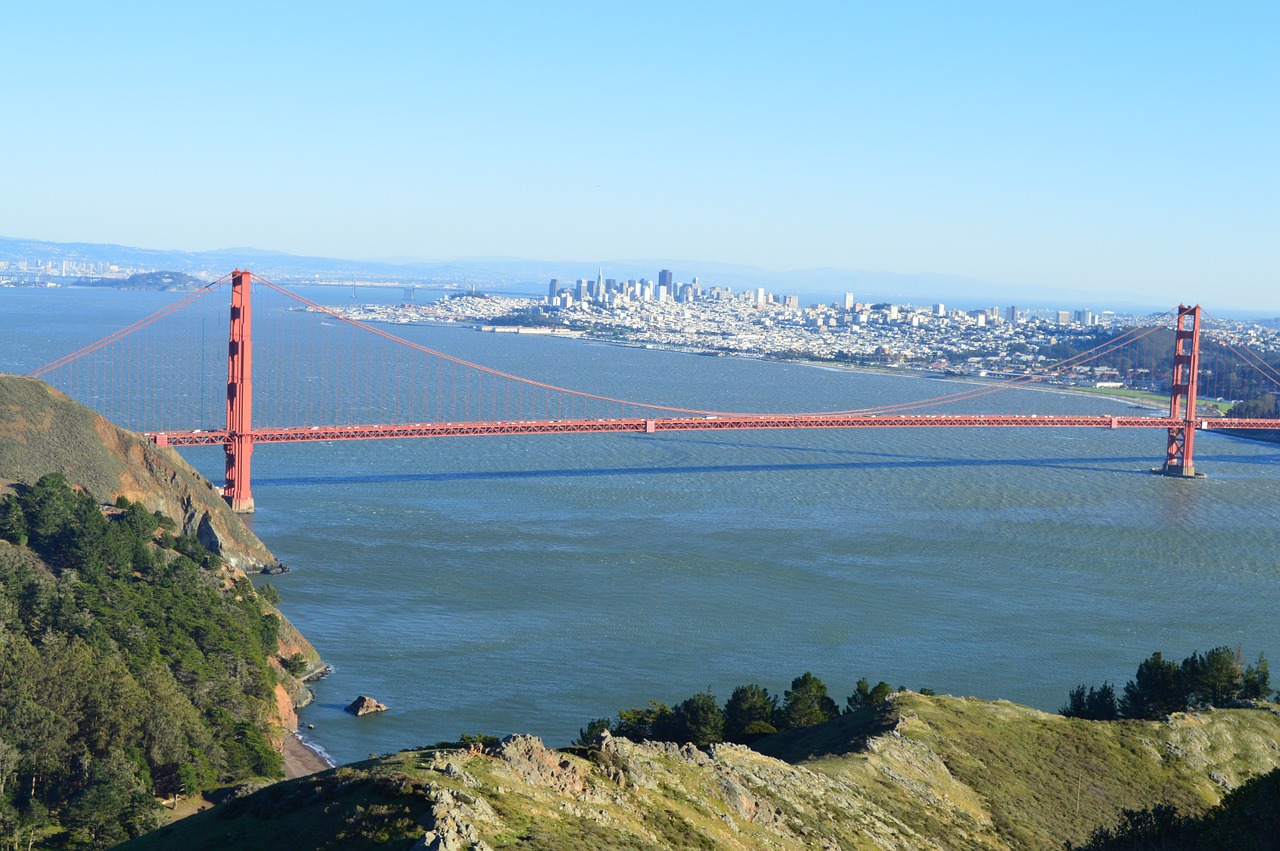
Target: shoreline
(903, 371)
(301, 758)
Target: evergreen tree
(699, 720)
(587, 735)
(1102, 703)
(48, 506)
(1213, 678)
(113, 807)
(141, 522)
(748, 714)
(83, 540)
(653, 722)
(13, 523)
(1256, 683)
(269, 594)
(1155, 691)
(866, 696)
(1094, 705)
(806, 703)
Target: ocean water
(533, 583)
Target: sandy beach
(300, 760)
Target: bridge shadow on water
(871, 461)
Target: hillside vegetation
(916, 772)
(1248, 817)
(136, 665)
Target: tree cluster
(750, 713)
(131, 668)
(1161, 686)
(1265, 406)
(1221, 369)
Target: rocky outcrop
(531, 761)
(364, 705)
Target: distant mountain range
(529, 277)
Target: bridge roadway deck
(301, 434)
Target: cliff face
(922, 772)
(42, 431)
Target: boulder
(363, 705)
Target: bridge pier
(239, 445)
(1182, 394)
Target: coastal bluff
(43, 431)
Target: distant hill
(529, 277)
(921, 772)
(164, 281)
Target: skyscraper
(665, 279)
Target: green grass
(1044, 778)
(1156, 400)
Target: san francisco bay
(533, 583)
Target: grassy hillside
(927, 772)
(1248, 817)
(1041, 779)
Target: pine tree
(806, 703)
(749, 713)
(1155, 691)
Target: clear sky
(1114, 147)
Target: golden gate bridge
(325, 388)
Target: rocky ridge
(921, 772)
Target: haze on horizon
(1129, 150)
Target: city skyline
(1128, 152)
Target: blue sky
(1103, 147)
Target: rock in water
(363, 705)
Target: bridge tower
(239, 445)
(1182, 393)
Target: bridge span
(506, 404)
(221, 437)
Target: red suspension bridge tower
(1182, 393)
(239, 445)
